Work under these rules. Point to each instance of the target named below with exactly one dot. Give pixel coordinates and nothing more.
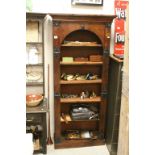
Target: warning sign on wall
(120, 11)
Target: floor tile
(93, 150)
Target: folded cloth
(82, 115)
(90, 113)
(80, 118)
(83, 112)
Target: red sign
(120, 11)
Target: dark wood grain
(114, 104)
(78, 143)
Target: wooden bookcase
(93, 36)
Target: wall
(64, 6)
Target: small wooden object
(80, 59)
(95, 58)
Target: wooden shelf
(39, 64)
(41, 108)
(116, 59)
(33, 42)
(79, 100)
(81, 63)
(91, 120)
(80, 81)
(34, 83)
(79, 143)
(78, 45)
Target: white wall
(64, 6)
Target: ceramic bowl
(33, 100)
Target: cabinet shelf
(91, 120)
(81, 63)
(80, 81)
(79, 143)
(81, 44)
(34, 83)
(41, 108)
(34, 43)
(79, 100)
(39, 64)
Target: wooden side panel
(56, 57)
(113, 106)
(105, 71)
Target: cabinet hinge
(104, 94)
(108, 25)
(56, 51)
(57, 95)
(56, 23)
(57, 140)
(106, 52)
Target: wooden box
(95, 58)
(80, 59)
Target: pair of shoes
(91, 76)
